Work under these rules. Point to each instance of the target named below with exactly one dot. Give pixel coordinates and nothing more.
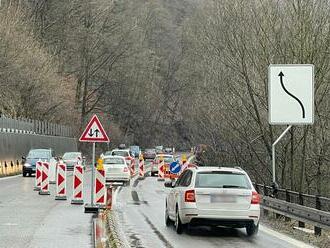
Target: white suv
(213, 196)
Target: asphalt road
(140, 210)
(33, 221)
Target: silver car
(116, 169)
(213, 196)
(72, 158)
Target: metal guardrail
(312, 201)
(301, 213)
(311, 209)
(21, 125)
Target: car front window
(71, 155)
(33, 154)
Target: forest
(173, 72)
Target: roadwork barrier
(61, 182)
(78, 180)
(38, 176)
(100, 188)
(44, 186)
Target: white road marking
(9, 177)
(283, 237)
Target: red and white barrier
(38, 175)
(141, 168)
(184, 166)
(161, 171)
(52, 171)
(100, 189)
(132, 168)
(44, 189)
(61, 182)
(78, 182)
(108, 204)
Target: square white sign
(291, 94)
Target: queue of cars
(69, 158)
(207, 196)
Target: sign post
(93, 133)
(290, 99)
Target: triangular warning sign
(94, 132)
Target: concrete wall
(14, 145)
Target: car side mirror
(169, 184)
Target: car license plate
(222, 199)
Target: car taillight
(189, 196)
(125, 169)
(255, 198)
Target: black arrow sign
(91, 133)
(281, 75)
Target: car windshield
(134, 148)
(39, 154)
(150, 150)
(71, 155)
(222, 179)
(120, 153)
(114, 161)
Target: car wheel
(24, 174)
(168, 221)
(178, 225)
(252, 229)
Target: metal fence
(312, 209)
(312, 201)
(10, 125)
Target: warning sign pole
(93, 176)
(93, 133)
(92, 208)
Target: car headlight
(27, 165)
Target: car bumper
(230, 218)
(119, 178)
(29, 170)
